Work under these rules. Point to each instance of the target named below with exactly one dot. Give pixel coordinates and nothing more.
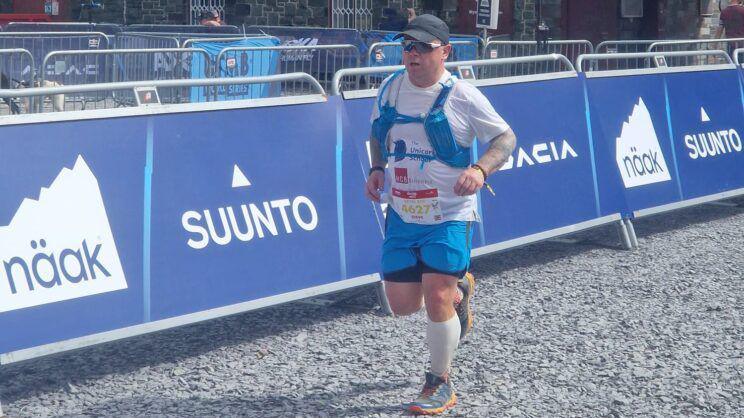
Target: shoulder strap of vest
(385, 86)
(443, 94)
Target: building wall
(278, 12)
(237, 12)
(677, 19)
(681, 19)
(525, 18)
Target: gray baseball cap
(426, 28)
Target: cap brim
(418, 35)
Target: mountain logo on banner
(637, 150)
(59, 247)
(704, 115)
(239, 179)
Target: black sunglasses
(421, 47)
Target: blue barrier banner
(71, 234)
(547, 183)
(243, 208)
(384, 55)
(362, 219)
(327, 62)
(304, 36)
(551, 164)
(239, 64)
(708, 125)
(635, 160)
(465, 52)
(77, 72)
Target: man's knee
(404, 298)
(406, 308)
(439, 295)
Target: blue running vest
(437, 128)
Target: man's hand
(470, 181)
(375, 183)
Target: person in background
(410, 13)
(732, 23)
(210, 18)
(392, 20)
(732, 20)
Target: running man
(423, 125)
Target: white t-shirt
(469, 114)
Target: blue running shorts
(410, 250)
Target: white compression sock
(442, 339)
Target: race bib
(417, 206)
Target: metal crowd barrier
(187, 42)
(653, 59)
(166, 39)
(117, 65)
(12, 75)
(739, 57)
(570, 49)
(107, 28)
(624, 47)
(14, 64)
(380, 50)
(54, 41)
(134, 40)
(184, 29)
(126, 89)
(320, 61)
(41, 43)
(727, 44)
(479, 67)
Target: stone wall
(175, 12)
(252, 12)
(681, 19)
(678, 19)
(277, 12)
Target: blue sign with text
(106, 224)
(242, 209)
(708, 124)
(252, 63)
(71, 229)
(552, 161)
(634, 157)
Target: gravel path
(581, 329)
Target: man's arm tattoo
(498, 152)
(375, 153)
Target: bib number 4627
(416, 209)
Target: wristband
(479, 168)
(488, 186)
(375, 168)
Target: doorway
(593, 20)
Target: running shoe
(467, 286)
(438, 396)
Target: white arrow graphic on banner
(704, 115)
(239, 179)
